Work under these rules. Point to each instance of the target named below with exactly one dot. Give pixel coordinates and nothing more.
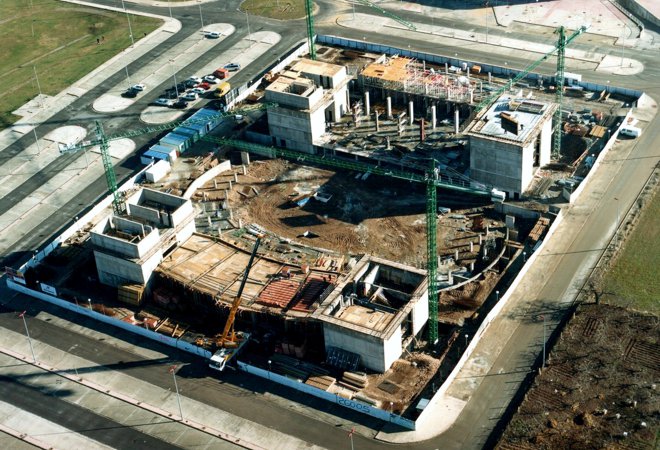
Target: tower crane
(309, 16)
(102, 141)
(560, 48)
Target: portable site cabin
(176, 142)
(158, 152)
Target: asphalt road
(45, 403)
(244, 396)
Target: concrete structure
(376, 311)
(509, 142)
(308, 94)
(128, 248)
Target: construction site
(376, 206)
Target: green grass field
(58, 40)
(633, 280)
(287, 9)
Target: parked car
(212, 35)
(180, 104)
(198, 91)
(171, 94)
(163, 102)
(221, 73)
(139, 87)
(233, 67)
(206, 86)
(211, 79)
(197, 80)
(190, 96)
(190, 83)
(130, 93)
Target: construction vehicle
(230, 343)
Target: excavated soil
(379, 216)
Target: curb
(146, 406)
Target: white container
(158, 171)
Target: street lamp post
(27, 333)
(89, 300)
(130, 29)
(247, 18)
(466, 341)
(618, 223)
(201, 18)
(269, 368)
(34, 68)
(169, 7)
(543, 363)
(176, 88)
(172, 370)
(350, 436)
(497, 296)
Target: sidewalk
(126, 389)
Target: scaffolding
(412, 77)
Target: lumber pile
(132, 294)
(354, 380)
(323, 382)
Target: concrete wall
(298, 129)
(420, 313)
(295, 100)
(374, 353)
(546, 143)
(182, 213)
(206, 177)
(497, 164)
(527, 170)
(183, 234)
(142, 212)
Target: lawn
(58, 41)
(275, 9)
(633, 280)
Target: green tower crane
(560, 48)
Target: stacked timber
(323, 382)
(295, 368)
(132, 294)
(354, 380)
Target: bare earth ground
(357, 219)
(599, 388)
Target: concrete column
(472, 266)
(231, 214)
(411, 112)
(433, 118)
(446, 68)
(456, 255)
(235, 177)
(367, 105)
(245, 158)
(389, 108)
(480, 239)
(230, 184)
(456, 119)
(487, 230)
(387, 139)
(244, 169)
(208, 220)
(490, 77)
(450, 277)
(376, 113)
(226, 193)
(471, 246)
(215, 184)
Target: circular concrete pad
(112, 103)
(67, 135)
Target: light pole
(350, 436)
(543, 363)
(497, 296)
(130, 30)
(34, 68)
(172, 370)
(128, 78)
(22, 316)
(169, 7)
(618, 223)
(269, 368)
(466, 341)
(201, 18)
(247, 18)
(176, 88)
(89, 300)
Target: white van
(633, 132)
